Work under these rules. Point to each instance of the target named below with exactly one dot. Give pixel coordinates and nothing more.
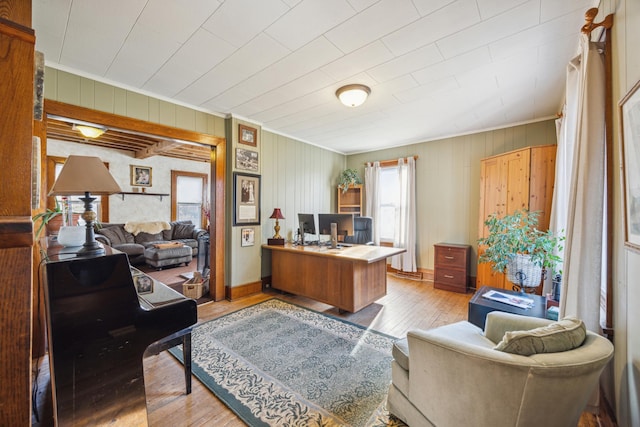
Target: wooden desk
(349, 278)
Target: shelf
(161, 195)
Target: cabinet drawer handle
(449, 257)
(448, 276)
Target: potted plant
(348, 177)
(515, 244)
(47, 216)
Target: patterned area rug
(279, 364)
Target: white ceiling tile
(357, 61)
(428, 90)
(360, 5)
(239, 21)
(243, 63)
(176, 19)
(51, 18)
(308, 20)
(551, 9)
(91, 44)
(491, 8)
(491, 30)
(189, 63)
(298, 63)
(425, 7)
(407, 63)
(377, 21)
(450, 67)
(444, 22)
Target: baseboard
(235, 292)
(421, 274)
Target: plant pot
(523, 272)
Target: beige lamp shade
(82, 174)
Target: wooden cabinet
(519, 179)
(451, 267)
(351, 200)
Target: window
(188, 192)
(389, 200)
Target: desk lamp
(277, 238)
(85, 175)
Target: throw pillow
(114, 234)
(183, 231)
(143, 238)
(566, 334)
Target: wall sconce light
(353, 95)
(277, 238)
(89, 131)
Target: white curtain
(372, 206)
(580, 192)
(405, 236)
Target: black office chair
(362, 231)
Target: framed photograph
(247, 159)
(140, 176)
(248, 135)
(630, 121)
(248, 237)
(143, 284)
(246, 199)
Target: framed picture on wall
(246, 199)
(246, 159)
(140, 176)
(630, 121)
(248, 237)
(248, 135)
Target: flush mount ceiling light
(353, 95)
(89, 131)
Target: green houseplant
(348, 177)
(47, 216)
(516, 245)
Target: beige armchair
(452, 376)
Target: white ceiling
(436, 68)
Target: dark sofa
(141, 248)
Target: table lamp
(277, 238)
(85, 175)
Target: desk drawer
(450, 277)
(451, 257)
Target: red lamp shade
(277, 214)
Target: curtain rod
(385, 163)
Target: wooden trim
(16, 232)
(174, 192)
(389, 163)
(236, 292)
(114, 121)
(217, 225)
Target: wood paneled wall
(17, 47)
(448, 181)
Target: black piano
(98, 335)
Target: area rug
(278, 364)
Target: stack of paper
(517, 301)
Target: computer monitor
(308, 223)
(344, 221)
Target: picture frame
(246, 199)
(246, 159)
(247, 135)
(143, 284)
(630, 132)
(140, 176)
(247, 237)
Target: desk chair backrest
(362, 231)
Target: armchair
(452, 376)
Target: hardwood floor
(408, 304)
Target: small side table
(479, 307)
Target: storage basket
(523, 272)
(194, 288)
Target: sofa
(154, 248)
(458, 375)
